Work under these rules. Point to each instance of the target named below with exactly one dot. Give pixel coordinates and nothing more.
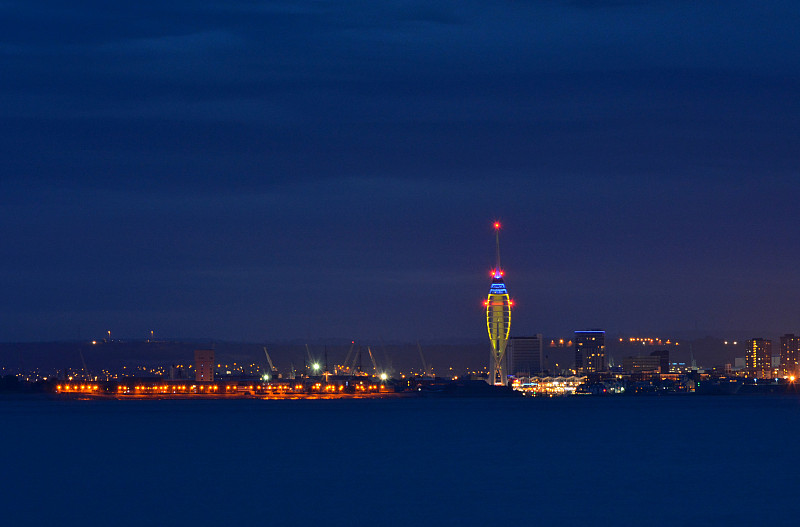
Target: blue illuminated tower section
(498, 320)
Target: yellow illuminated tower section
(498, 320)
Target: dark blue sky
(270, 170)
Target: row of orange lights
(89, 388)
(167, 388)
(77, 388)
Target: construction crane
(345, 368)
(353, 367)
(85, 370)
(387, 365)
(425, 366)
(272, 368)
(372, 358)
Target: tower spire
(497, 271)
(498, 320)
(497, 242)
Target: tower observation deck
(498, 320)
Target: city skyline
(267, 171)
(250, 272)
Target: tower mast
(497, 244)
(498, 320)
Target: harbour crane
(372, 358)
(346, 362)
(387, 360)
(354, 365)
(425, 366)
(272, 369)
(83, 361)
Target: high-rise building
(498, 320)
(525, 355)
(656, 362)
(204, 365)
(590, 351)
(790, 356)
(641, 364)
(758, 358)
(663, 359)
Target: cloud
(174, 152)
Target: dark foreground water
(572, 461)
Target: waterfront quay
(365, 386)
(161, 388)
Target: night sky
(289, 170)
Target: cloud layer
(291, 169)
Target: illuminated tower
(590, 351)
(790, 356)
(758, 358)
(498, 320)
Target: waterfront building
(204, 365)
(590, 351)
(525, 356)
(663, 359)
(641, 364)
(656, 362)
(758, 358)
(498, 320)
(790, 356)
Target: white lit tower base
(498, 321)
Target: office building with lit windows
(790, 356)
(525, 356)
(758, 358)
(590, 351)
(204, 365)
(641, 364)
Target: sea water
(683, 460)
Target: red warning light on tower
(497, 225)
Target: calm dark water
(623, 461)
